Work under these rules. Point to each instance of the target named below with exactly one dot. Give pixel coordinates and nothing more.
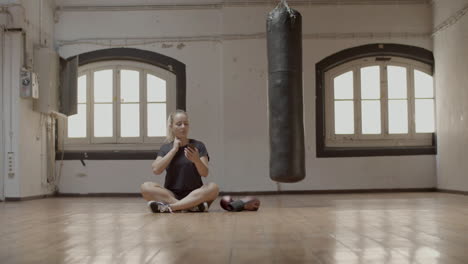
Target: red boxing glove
(248, 203)
(225, 203)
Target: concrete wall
(11, 101)
(227, 92)
(25, 130)
(3, 18)
(451, 56)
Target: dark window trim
(130, 54)
(371, 50)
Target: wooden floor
(346, 228)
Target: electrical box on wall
(29, 84)
(46, 65)
(11, 164)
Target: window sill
(108, 155)
(83, 147)
(335, 152)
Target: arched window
(124, 98)
(121, 102)
(376, 102)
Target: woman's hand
(176, 145)
(192, 154)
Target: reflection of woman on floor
(185, 161)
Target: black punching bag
(284, 41)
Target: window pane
(343, 85)
(130, 120)
(396, 82)
(103, 86)
(156, 88)
(370, 82)
(156, 120)
(344, 117)
(129, 86)
(398, 116)
(82, 89)
(77, 123)
(423, 85)
(371, 117)
(103, 120)
(425, 115)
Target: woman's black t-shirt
(181, 174)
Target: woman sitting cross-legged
(185, 161)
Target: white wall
(10, 97)
(227, 93)
(28, 134)
(39, 27)
(451, 56)
(2, 126)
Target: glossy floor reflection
(423, 228)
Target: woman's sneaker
(203, 207)
(159, 207)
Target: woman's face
(180, 126)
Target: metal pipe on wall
(230, 3)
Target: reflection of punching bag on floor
(284, 41)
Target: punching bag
(284, 44)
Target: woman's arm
(161, 163)
(200, 163)
(202, 166)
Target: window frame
(125, 151)
(385, 139)
(170, 104)
(423, 145)
(142, 95)
(116, 142)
